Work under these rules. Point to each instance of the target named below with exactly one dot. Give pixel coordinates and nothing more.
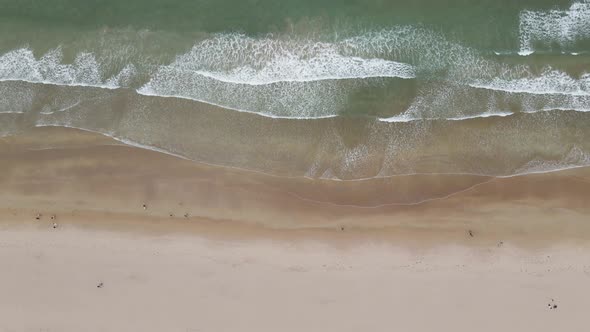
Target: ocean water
(334, 89)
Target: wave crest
(561, 27)
(21, 65)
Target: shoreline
(249, 255)
(81, 176)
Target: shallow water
(331, 89)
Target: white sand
(49, 282)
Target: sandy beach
(221, 249)
(293, 165)
(187, 283)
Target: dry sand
(187, 283)
(248, 252)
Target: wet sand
(219, 249)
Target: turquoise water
(357, 88)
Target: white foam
(298, 78)
(350, 69)
(425, 49)
(293, 78)
(21, 65)
(247, 60)
(549, 82)
(525, 52)
(503, 53)
(10, 112)
(454, 101)
(483, 115)
(575, 158)
(146, 92)
(405, 117)
(574, 108)
(123, 78)
(562, 27)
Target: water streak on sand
(533, 167)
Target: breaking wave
(21, 65)
(561, 27)
(302, 78)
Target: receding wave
(335, 148)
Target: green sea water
(336, 89)
(485, 24)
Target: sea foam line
(506, 87)
(527, 53)
(407, 118)
(146, 92)
(99, 86)
(404, 117)
(256, 61)
(550, 82)
(230, 79)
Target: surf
(556, 26)
(21, 65)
